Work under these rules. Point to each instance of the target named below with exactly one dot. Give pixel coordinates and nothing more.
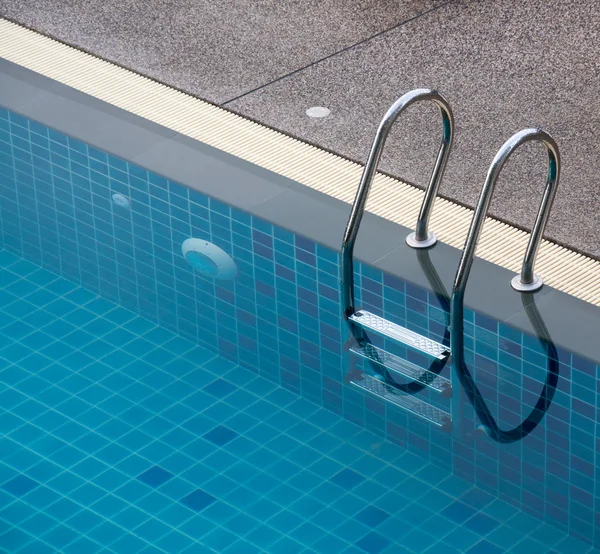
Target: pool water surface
(119, 436)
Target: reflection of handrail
(444, 300)
(525, 281)
(488, 423)
(421, 238)
(436, 284)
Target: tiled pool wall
(281, 315)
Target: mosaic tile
(155, 476)
(110, 495)
(104, 337)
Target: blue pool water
(117, 435)
(136, 390)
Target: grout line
(332, 55)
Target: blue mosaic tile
(20, 485)
(373, 543)
(128, 361)
(219, 388)
(458, 512)
(481, 524)
(372, 516)
(155, 476)
(220, 435)
(347, 479)
(198, 500)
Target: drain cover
(317, 112)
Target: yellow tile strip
(502, 244)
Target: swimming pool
(148, 408)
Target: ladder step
(421, 409)
(403, 367)
(386, 328)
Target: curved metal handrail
(422, 238)
(527, 282)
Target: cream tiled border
(502, 244)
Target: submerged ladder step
(425, 411)
(391, 330)
(403, 367)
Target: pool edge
(292, 179)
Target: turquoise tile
(20, 485)
(106, 407)
(198, 500)
(373, 543)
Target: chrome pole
(525, 281)
(422, 238)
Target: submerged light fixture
(208, 259)
(121, 201)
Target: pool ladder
(383, 368)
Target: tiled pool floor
(118, 436)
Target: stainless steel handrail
(421, 238)
(526, 281)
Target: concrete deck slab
(504, 66)
(217, 50)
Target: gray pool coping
(572, 323)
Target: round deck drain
(317, 112)
(208, 259)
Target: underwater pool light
(208, 259)
(121, 200)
